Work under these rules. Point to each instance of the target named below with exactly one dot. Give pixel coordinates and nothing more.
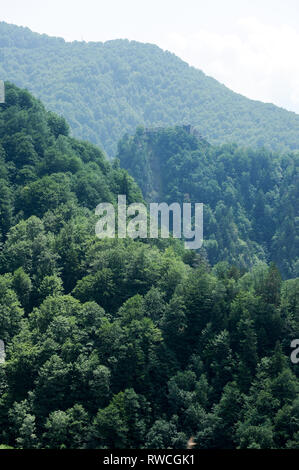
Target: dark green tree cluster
(107, 89)
(121, 343)
(250, 197)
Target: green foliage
(250, 197)
(107, 89)
(127, 343)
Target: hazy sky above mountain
(252, 46)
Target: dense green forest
(250, 197)
(107, 89)
(129, 344)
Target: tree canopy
(121, 343)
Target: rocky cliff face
(2, 352)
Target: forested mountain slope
(250, 196)
(121, 343)
(107, 89)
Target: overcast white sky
(252, 46)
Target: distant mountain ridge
(108, 89)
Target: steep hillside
(250, 197)
(107, 89)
